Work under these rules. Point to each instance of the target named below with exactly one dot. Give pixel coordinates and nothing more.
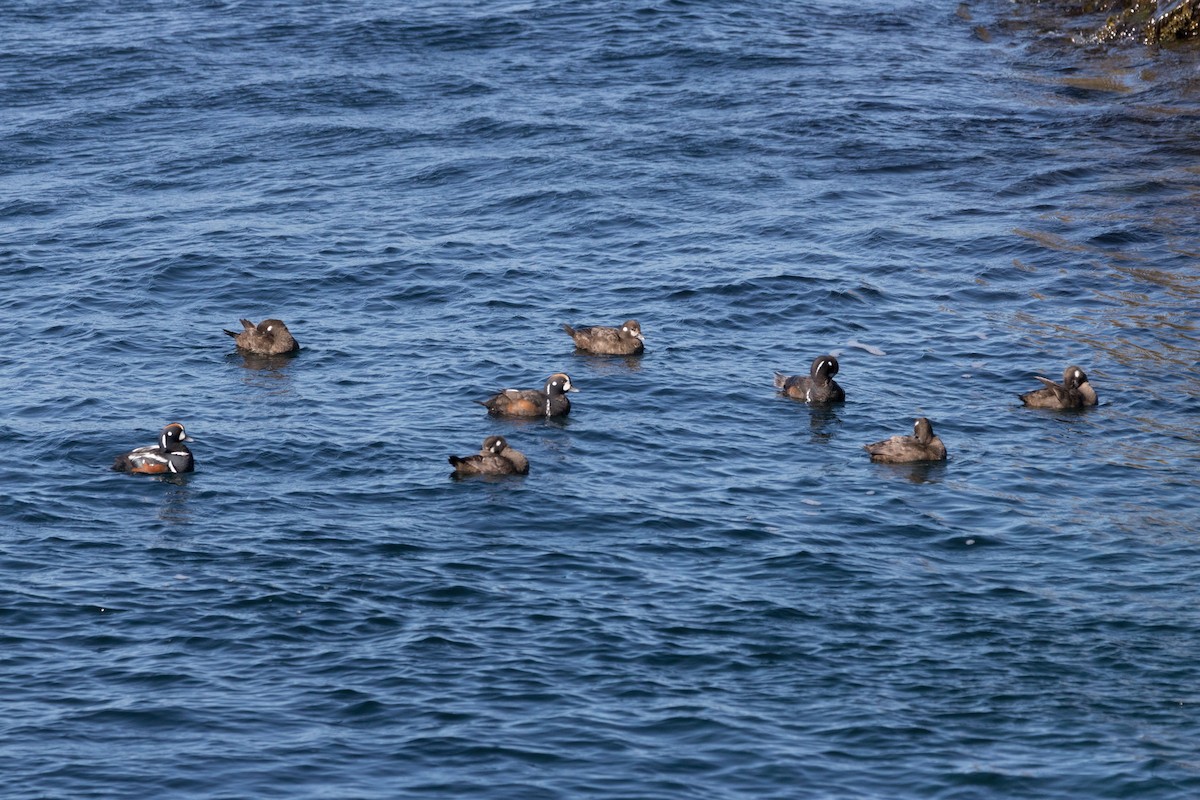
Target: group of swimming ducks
(272, 338)
(819, 387)
(171, 456)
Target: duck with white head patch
(550, 401)
(494, 458)
(921, 446)
(268, 338)
(816, 387)
(169, 456)
(626, 340)
(1073, 392)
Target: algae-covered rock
(1175, 20)
(1148, 21)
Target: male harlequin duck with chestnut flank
(1073, 392)
(626, 340)
(921, 446)
(268, 338)
(817, 387)
(170, 455)
(495, 458)
(549, 402)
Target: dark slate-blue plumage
(816, 387)
(169, 456)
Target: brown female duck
(626, 340)
(921, 446)
(494, 458)
(1073, 392)
(268, 338)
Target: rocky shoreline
(1155, 22)
(1147, 21)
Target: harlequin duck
(269, 338)
(495, 458)
(1073, 392)
(626, 340)
(921, 446)
(549, 402)
(818, 387)
(169, 455)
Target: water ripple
(702, 588)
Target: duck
(626, 340)
(268, 338)
(923, 445)
(816, 387)
(551, 401)
(494, 458)
(170, 455)
(1073, 392)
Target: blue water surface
(702, 589)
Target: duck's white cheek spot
(269, 328)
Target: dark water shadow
(261, 363)
(528, 424)
(916, 471)
(264, 372)
(609, 364)
(1062, 413)
(824, 419)
(823, 422)
(175, 508)
(454, 476)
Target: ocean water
(702, 589)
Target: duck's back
(903, 449)
(482, 465)
(517, 402)
(604, 340)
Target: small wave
(870, 348)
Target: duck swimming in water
(921, 446)
(551, 401)
(268, 338)
(494, 458)
(1073, 392)
(816, 387)
(626, 340)
(170, 455)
